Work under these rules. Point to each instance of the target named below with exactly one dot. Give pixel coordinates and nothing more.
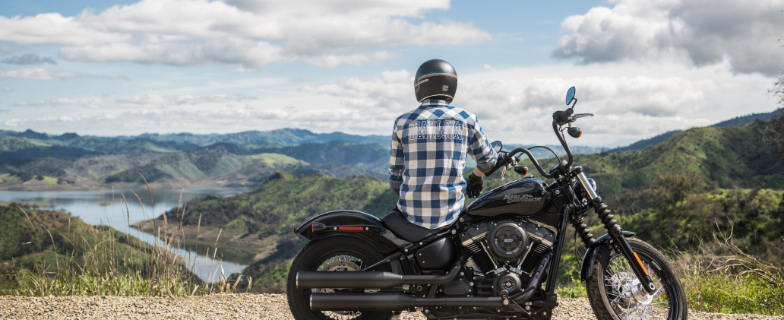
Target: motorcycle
(499, 260)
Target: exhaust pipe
(374, 302)
(372, 279)
(393, 301)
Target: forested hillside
(639, 145)
(209, 166)
(681, 211)
(374, 157)
(282, 203)
(734, 156)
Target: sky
(165, 66)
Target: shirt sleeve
(481, 150)
(396, 160)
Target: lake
(106, 207)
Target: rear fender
(363, 226)
(590, 255)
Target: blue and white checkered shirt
(429, 149)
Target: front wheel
(340, 254)
(615, 292)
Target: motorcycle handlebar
(559, 118)
(533, 160)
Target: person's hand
(502, 160)
(474, 186)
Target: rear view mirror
(497, 146)
(569, 95)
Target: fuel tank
(523, 197)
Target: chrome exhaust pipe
(372, 279)
(374, 302)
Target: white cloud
(43, 74)
(631, 102)
(150, 101)
(246, 33)
(516, 105)
(39, 74)
(7, 89)
(355, 59)
(704, 32)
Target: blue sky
(124, 68)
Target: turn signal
(575, 132)
(521, 170)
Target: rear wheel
(615, 292)
(338, 254)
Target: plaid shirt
(429, 149)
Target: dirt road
(221, 306)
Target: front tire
(332, 254)
(615, 292)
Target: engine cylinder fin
(533, 258)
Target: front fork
(615, 232)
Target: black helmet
(435, 79)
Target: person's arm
(396, 162)
(480, 149)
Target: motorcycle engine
(506, 251)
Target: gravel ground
(223, 306)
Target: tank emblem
(514, 198)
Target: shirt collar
(433, 103)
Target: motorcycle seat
(399, 225)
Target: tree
(775, 129)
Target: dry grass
(720, 277)
(117, 264)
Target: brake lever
(510, 165)
(579, 115)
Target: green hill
(285, 201)
(734, 156)
(737, 121)
(374, 157)
(220, 164)
(31, 144)
(40, 243)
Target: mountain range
(32, 160)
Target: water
(106, 207)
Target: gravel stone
(228, 306)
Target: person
(430, 145)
